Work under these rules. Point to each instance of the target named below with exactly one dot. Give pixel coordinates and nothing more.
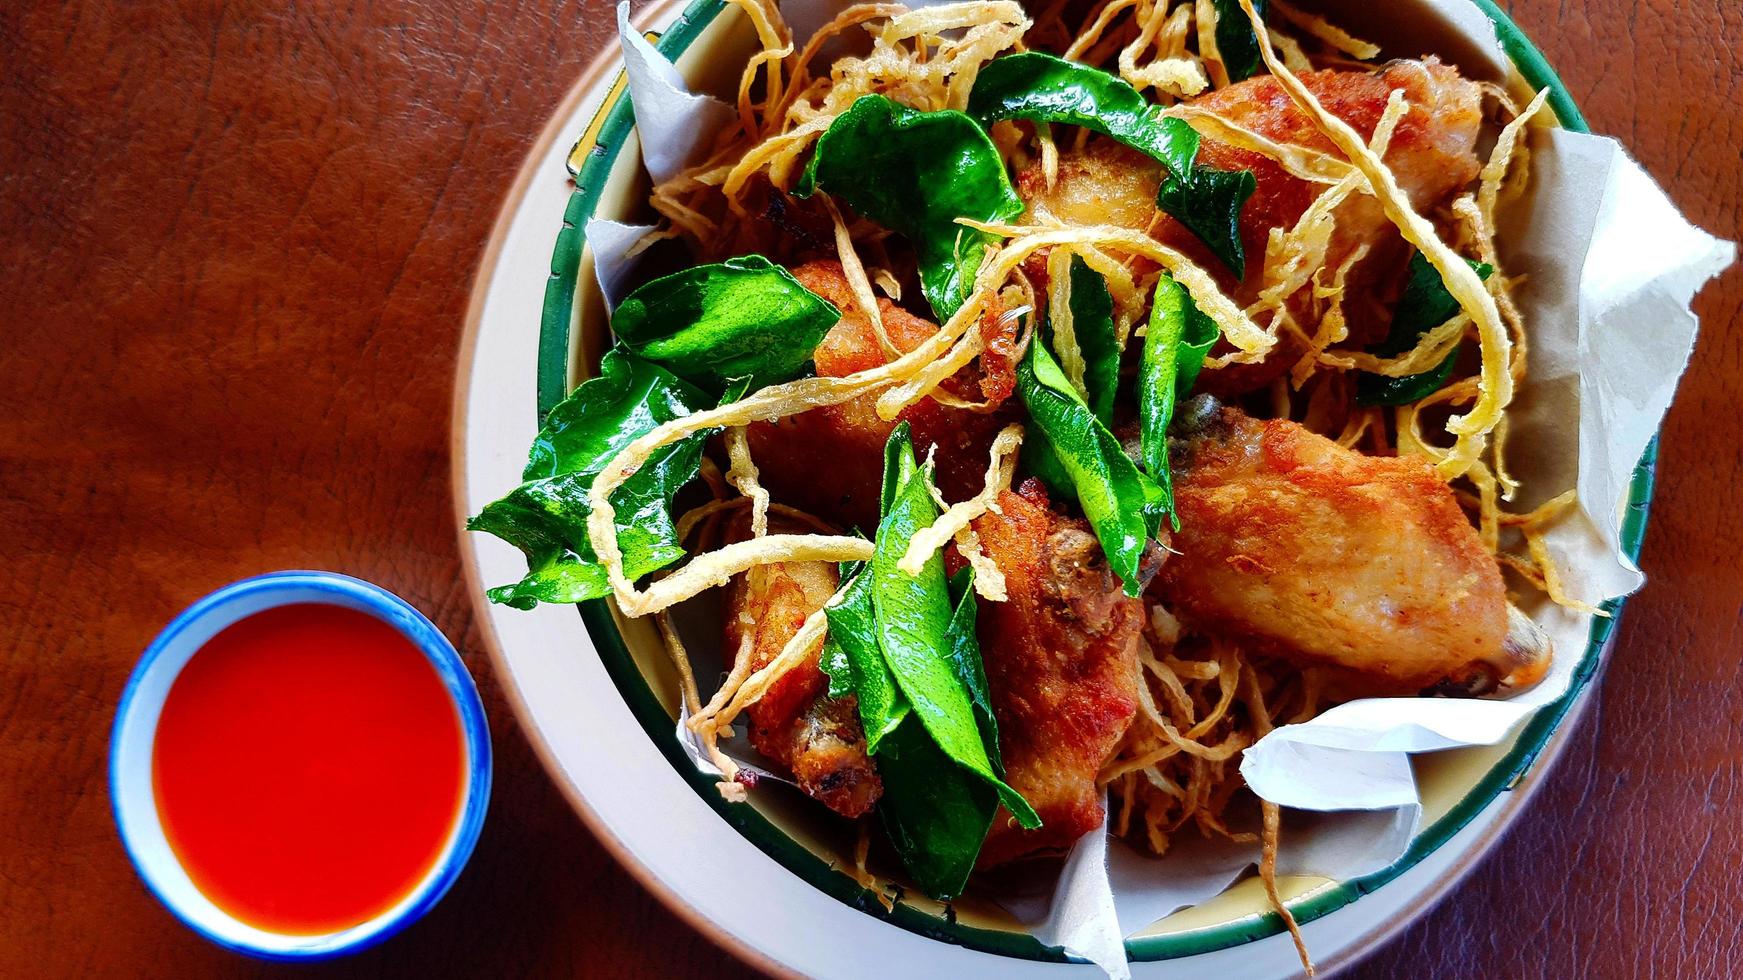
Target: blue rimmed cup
(131, 744)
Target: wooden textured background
(235, 245)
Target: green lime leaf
(1092, 321)
(837, 666)
(1043, 88)
(856, 665)
(1040, 87)
(1209, 204)
(913, 616)
(1175, 344)
(1041, 461)
(835, 662)
(546, 516)
(1235, 39)
(970, 669)
(915, 173)
(1425, 305)
(743, 318)
(936, 814)
(938, 756)
(1377, 389)
(1124, 506)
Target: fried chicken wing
(1062, 668)
(1432, 153)
(796, 724)
(1316, 553)
(829, 461)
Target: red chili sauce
(309, 768)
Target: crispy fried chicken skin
(1432, 153)
(1062, 668)
(796, 724)
(1318, 554)
(829, 461)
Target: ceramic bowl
(614, 752)
(130, 753)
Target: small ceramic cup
(130, 752)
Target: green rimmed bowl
(604, 724)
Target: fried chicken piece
(1432, 153)
(796, 724)
(1318, 554)
(1061, 657)
(829, 461)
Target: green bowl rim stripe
(553, 385)
(559, 309)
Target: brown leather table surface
(236, 242)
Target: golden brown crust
(829, 461)
(1432, 153)
(1062, 669)
(796, 724)
(1316, 553)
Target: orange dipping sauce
(309, 768)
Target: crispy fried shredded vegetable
(1205, 17)
(954, 522)
(743, 476)
(1171, 70)
(1065, 346)
(1332, 327)
(803, 645)
(857, 279)
(1294, 257)
(1202, 700)
(1025, 240)
(1334, 36)
(1300, 161)
(1495, 385)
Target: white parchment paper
(1612, 267)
